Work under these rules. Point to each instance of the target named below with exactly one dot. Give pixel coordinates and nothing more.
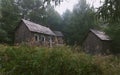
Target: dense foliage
(24, 60)
(109, 12)
(78, 22)
(113, 30)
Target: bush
(24, 60)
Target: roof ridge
(34, 27)
(100, 34)
(34, 23)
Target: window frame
(36, 36)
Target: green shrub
(25, 60)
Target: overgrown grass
(24, 60)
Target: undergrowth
(25, 60)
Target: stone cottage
(96, 42)
(58, 38)
(35, 34)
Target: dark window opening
(36, 37)
(42, 38)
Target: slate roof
(100, 34)
(38, 28)
(58, 33)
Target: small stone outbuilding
(96, 42)
(35, 34)
(59, 37)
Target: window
(36, 37)
(42, 38)
(50, 39)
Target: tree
(81, 21)
(114, 30)
(66, 18)
(9, 18)
(32, 6)
(53, 19)
(110, 10)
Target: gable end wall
(22, 34)
(92, 44)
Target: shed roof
(38, 28)
(100, 34)
(58, 33)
